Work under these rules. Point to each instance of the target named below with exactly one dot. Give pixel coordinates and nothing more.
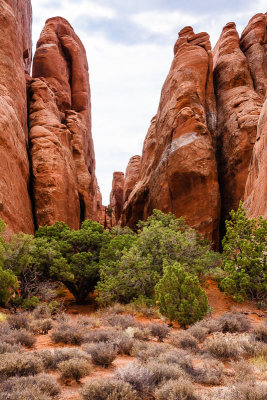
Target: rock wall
(61, 146)
(15, 61)
(178, 167)
(200, 128)
(116, 197)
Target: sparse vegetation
(111, 389)
(74, 369)
(102, 353)
(176, 390)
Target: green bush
(8, 284)
(179, 295)
(245, 257)
(137, 265)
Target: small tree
(75, 255)
(8, 284)
(179, 295)
(245, 257)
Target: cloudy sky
(129, 46)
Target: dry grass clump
(234, 322)
(161, 331)
(108, 389)
(145, 351)
(139, 333)
(141, 378)
(254, 348)
(122, 321)
(18, 320)
(241, 391)
(123, 343)
(260, 333)
(52, 358)
(24, 337)
(9, 348)
(41, 326)
(20, 364)
(198, 331)
(181, 389)
(101, 353)
(184, 340)
(178, 357)
(244, 371)
(99, 335)
(209, 372)
(163, 371)
(74, 369)
(40, 387)
(68, 334)
(41, 312)
(222, 347)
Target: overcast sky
(129, 45)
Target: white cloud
(163, 22)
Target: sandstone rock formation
(15, 61)
(61, 146)
(178, 168)
(256, 187)
(131, 176)
(116, 197)
(238, 109)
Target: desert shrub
(164, 372)
(145, 351)
(180, 297)
(51, 358)
(99, 335)
(102, 353)
(178, 357)
(233, 322)
(244, 257)
(42, 311)
(260, 333)
(209, 372)
(254, 348)
(161, 331)
(141, 378)
(244, 371)
(139, 333)
(84, 321)
(68, 334)
(20, 364)
(18, 320)
(30, 303)
(41, 326)
(122, 321)
(184, 340)
(24, 337)
(123, 343)
(108, 389)
(74, 369)
(9, 348)
(39, 387)
(222, 347)
(181, 389)
(242, 391)
(198, 331)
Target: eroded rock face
(238, 109)
(131, 176)
(256, 187)
(61, 146)
(15, 60)
(178, 168)
(116, 197)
